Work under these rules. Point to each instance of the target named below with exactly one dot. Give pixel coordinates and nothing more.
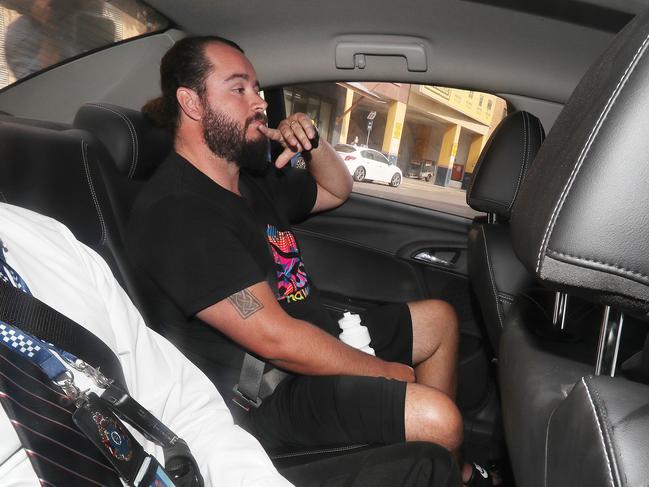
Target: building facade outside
(430, 132)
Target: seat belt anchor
(243, 401)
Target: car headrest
(503, 163)
(53, 173)
(581, 219)
(136, 146)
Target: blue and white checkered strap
(34, 350)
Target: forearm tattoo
(245, 303)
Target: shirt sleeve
(295, 192)
(192, 254)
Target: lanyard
(99, 418)
(50, 360)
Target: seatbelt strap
(254, 386)
(38, 319)
(252, 371)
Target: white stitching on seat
(622, 270)
(104, 231)
(526, 155)
(595, 130)
(132, 132)
(547, 440)
(601, 434)
(491, 279)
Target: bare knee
(434, 322)
(431, 415)
(445, 315)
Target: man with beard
(213, 229)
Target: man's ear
(190, 103)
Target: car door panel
(334, 264)
(365, 250)
(384, 165)
(370, 165)
(363, 254)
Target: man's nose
(260, 103)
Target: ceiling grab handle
(351, 54)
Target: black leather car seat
(135, 147)
(580, 226)
(57, 173)
(496, 273)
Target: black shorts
(335, 410)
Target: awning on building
(362, 90)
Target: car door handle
(445, 257)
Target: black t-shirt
(201, 243)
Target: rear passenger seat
(64, 174)
(133, 149)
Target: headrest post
(560, 310)
(609, 342)
(492, 218)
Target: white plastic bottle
(354, 334)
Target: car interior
(547, 270)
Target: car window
(381, 158)
(433, 135)
(344, 148)
(37, 34)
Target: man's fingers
(298, 129)
(284, 158)
(272, 134)
(288, 134)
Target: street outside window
(417, 144)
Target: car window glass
(381, 158)
(344, 148)
(37, 34)
(431, 136)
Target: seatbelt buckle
(243, 401)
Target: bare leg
(435, 338)
(429, 415)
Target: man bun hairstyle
(184, 65)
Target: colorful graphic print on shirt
(292, 280)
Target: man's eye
(239, 90)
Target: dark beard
(226, 139)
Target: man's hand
(294, 134)
(399, 371)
